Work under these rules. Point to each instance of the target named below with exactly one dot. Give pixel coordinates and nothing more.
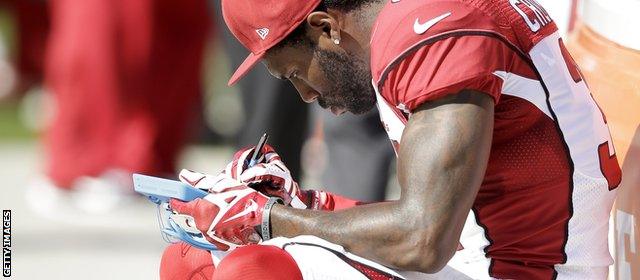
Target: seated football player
(505, 162)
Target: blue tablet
(160, 190)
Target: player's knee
(258, 262)
(181, 261)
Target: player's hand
(269, 175)
(229, 216)
(242, 160)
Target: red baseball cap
(261, 24)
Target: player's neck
(359, 23)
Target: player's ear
(325, 25)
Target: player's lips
(337, 110)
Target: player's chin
(332, 107)
(360, 111)
(355, 106)
(361, 108)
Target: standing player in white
(505, 162)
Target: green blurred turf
(11, 128)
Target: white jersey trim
(583, 130)
(525, 88)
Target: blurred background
(92, 91)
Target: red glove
(271, 177)
(228, 217)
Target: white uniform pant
(319, 259)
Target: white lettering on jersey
(542, 18)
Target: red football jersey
(543, 208)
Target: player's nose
(307, 94)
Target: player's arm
(442, 160)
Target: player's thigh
(319, 259)
(313, 257)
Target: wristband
(265, 227)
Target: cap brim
(244, 68)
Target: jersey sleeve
(448, 66)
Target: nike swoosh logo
(253, 206)
(421, 28)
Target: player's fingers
(191, 177)
(295, 189)
(245, 157)
(242, 153)
(229, 168)
(220, 246)
(239, 163)
(249, 174)
(276, 182)
(182, 207)
(215, 242)
(262, 156)
(202, 181)
(272, 157)
(267, 149)
(274, 168)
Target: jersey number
(608, 162)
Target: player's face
(339, 81)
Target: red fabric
(260, 25)
(126, 80)
(32, 22)
(336, 202)
(370, 272)
(525, 198)
(394, 36)
(258, 262)
(182, 262)
(447, 67)
(524, 203)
